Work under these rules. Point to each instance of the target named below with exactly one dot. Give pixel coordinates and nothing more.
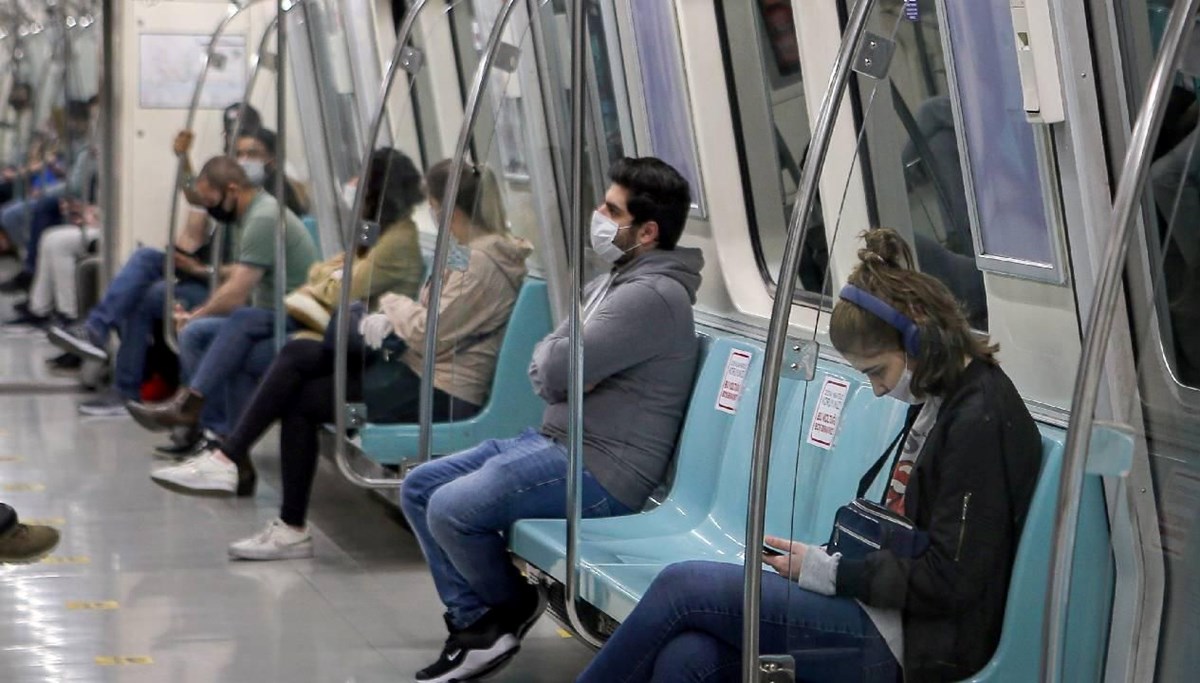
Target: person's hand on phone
(788, 564)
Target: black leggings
(298, 391)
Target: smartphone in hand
(772, 552)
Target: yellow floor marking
(110, 660)
(44, 521)
(66, 559)
(562, 633)
(92, 604)
(13, 488)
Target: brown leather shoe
(181, 410)
(26, 543)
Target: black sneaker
(523, 612)
(472, 653)
(64, 362)
(185, 447)
(27, 318)
(17, 283)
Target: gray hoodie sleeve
(619, 336)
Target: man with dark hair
(640, 348)
(231, 333)
(255, 152)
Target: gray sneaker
(108, 404)
(80, 340)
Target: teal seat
(510, 407)
(310, 224)
(704, 515)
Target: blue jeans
(688, 629)
(223, 358)
(461, 507)
(45, 214)
(16, 216)
(133, 304)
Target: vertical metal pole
(280, 175)
(110, 74)
(1133, 177)
(777, 335)
(471, 114)
(576, 263)
(342, 332)
(169, 333)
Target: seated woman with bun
(964, 477)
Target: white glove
(375, 328)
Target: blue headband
(873, 304)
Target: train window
(772, 127)
(1009, 162)
(912, 158)
(664, 90)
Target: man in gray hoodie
(640, 353)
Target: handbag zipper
(962, 526)
(858, 537)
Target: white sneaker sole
(216, 490)
(480, 663)
(298, 551)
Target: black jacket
(970, 491)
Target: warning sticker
(828, 413)
(734, 381)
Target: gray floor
(363, 610)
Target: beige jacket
(475, 307)
(393, 265)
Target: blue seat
(310, 224)
(704, 515)
(511, 405)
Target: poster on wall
(170, 63)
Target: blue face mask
(459, 258)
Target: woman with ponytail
(964, 477)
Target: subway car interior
(599, 340)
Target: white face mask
(256, 171)
(903, 389)
(603, 231)
(348, 192)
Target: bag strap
(869, 477)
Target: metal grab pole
(474, 102)
(342, 336)
(575, 378)
(217, 243)
(777, 335)
(1099, 326)
(109, 186)
(281, 225)
(169, 335)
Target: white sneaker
(277, 542)
(205, 474)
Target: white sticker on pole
(734, 381)
(828, 413)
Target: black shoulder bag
(864, 526)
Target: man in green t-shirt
(228, 342)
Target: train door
(1163, 272)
